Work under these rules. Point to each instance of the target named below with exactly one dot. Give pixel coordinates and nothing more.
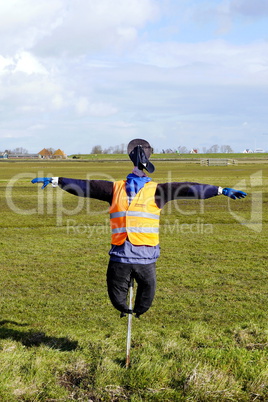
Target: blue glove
(45, 180)
(232, 193)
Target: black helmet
(139, 152)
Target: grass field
(205, 337)
(175, 156)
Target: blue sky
(190, 73)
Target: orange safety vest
(137, 221)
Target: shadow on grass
(120, 362)
(35, 338)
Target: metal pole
(129, 322)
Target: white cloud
(249, 8)
(215, 61)
(29, 64)
(89, 26)
(58, 102)
(37, 127)
(102, 109)
(23, 23)
(84, 107)
(5, 64)
(228, 17)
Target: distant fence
(218, 162)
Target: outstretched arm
(99, 189)
(171, 191)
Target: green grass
(176, 156)
(205, 337)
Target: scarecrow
(135, 206)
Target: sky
(79, 73)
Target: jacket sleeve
(98, 189)
(175, 190)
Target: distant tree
(123, 149)
(226, 149)
(108, 150)
(51, 150)
(183, 150)
(20, 150)
(119, 149)
(116, 150)
(167, 151)
(213, 150)
(97, 149)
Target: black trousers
(118, 279)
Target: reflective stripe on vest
(135, 230)
(134, 213)
(138, 221)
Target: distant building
(45, 154)
(247, 151)
(3, 155)
(59, 154)
(48, 154)
(17, 155)
(194, 151)
(259, 151)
